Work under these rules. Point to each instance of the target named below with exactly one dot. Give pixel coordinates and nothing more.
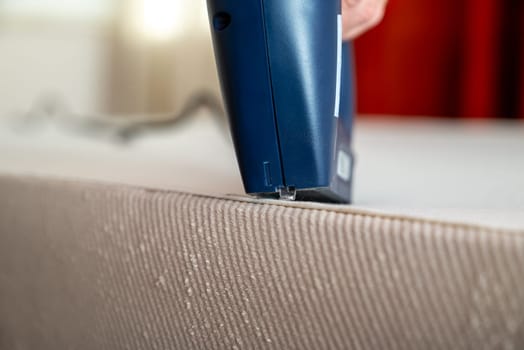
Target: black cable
(119, 129)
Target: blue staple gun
(286, 79)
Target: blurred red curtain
(444, 58)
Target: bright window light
(163, 19)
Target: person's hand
(361, 15)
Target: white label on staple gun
(344, 165)
(339, 66)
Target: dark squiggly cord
(121, 129)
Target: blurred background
(116, 57)
(452, 58)
(445, 58)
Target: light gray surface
(471, 172)
(460, 171)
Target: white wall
(60, 60)
(100, 62)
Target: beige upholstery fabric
(95, 266)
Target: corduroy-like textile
(94, 266)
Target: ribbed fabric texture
(91, 266)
